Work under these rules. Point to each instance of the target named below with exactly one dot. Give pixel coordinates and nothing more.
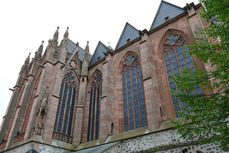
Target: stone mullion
(61, 101)
(132, 93)
(96, 94)
(175, 52)
(61, 105)
(69, 113)
(178, 64)
(186, 64)
(92, 115)
(127, 101)
(100, 96)
(139, 108)
(89, 115)
(97, 109)
(173, 74)
(65, 109)
(74, 110)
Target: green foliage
(207, 117)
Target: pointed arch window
(63, 128)
(94, 106)
(133, 94)
(176, 58)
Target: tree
(207, 116)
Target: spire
(27, 59)
(55, 38)
(66, 34)
(25, 65)
(76, 48)
(85, 61)
(56, 34)
(86, 53)
(87, 48)
(77, 60)
(40, 49)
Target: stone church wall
(168, 141)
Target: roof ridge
(96, 50)
(75, 43)
(131, 26)
(172, 4)
(162, 1)
(104, 45)
(127, 23)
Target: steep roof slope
(129, 32)
(166, 10)
(72, 46)
(98, 53)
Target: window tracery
(63, 128)
(176, 58)
(94, 106)
(133, 94)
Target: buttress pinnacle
(40, 49)
(56, 34)
(87, 47)
(27, 59)
(66, 34)
(86, 52)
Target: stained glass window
(134, 109)
(65, 110)
(94, 106)
(176, 58)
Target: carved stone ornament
(73, 63)
(41, 112)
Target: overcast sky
(25, 23)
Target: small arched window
(176, 58)
(133, 94)
(94, 106)
(63, 128)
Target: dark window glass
(124, 101)
(58, 107)
(89, 117)
(65, 108)
(62, 109)
(93, 114)
(97, 114)
(94, 107)
(67, 112)
(133, 96)
(72, 110)
(175, 54)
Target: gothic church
(117, 100)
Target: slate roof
(129, 32)
(98, 53)
(71, 48)
(166, 10)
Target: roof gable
(71, 48)
(98, 53)
(129, 32)
(166, 10)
